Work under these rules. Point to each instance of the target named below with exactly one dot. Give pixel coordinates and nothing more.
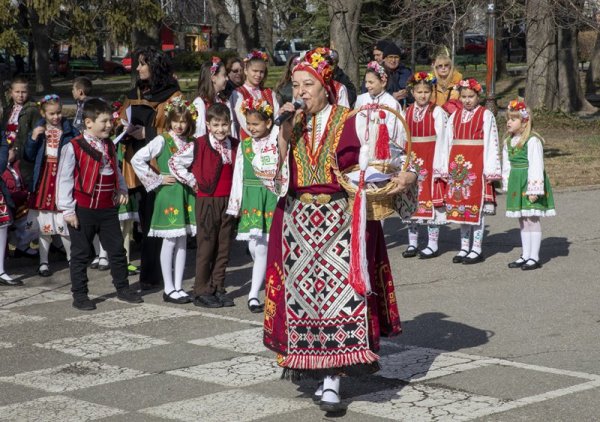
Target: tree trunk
(227, 25)
(267, 15)
(592, 79)
(41, 42)
(343, 34)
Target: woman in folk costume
(255, 69)
(447, 77)
(473, 164)
(250, 199)
(429, 156)
(322, 318)
(211, 85)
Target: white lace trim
(253, 234)
(189, 229)
(531, 213)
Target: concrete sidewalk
(480, 342)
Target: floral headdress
(256, 54)
(260, 105)
(519, 106)
(216, 62)
(470, 84)
(378, 69)
(179, 102)
(318, 63)
(48, 98)
(428, 78)
(116, 107)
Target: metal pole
(490, 102)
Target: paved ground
(480, 342)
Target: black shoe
(208, 301)
(457, 259)
(26, 253)
(531, 264)
(94, 264)
(84, 304)
(433, 253)
(176, 300)
(45, 272)
(410, 252)
(126, 294)
(331, 406)
(478, 258)
(518, 263)
(317, 397)
(225, 300)
(9, 282)
(101, 266)
(256, 309)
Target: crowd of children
(63, 178)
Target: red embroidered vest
(93, 190)
(213, 177)
(473, 129)
(425, 127)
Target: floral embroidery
(460, 178)
(171, 214)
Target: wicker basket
(380, 204)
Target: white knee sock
(535, 235)
(478, 237)
(44, 242)
(331, 383)
(3, 237)
(260, 267)
(252, 247)
(433, 232)
(166, 264)
(180, 255)
(413, 234)
(465, 239)
(66, 241)
(525, 240)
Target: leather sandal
(531, 264)
(177, 300)
(101, 266)
(518, 263)
(255, 309)
(478, 258)
(317, 397)
(410, 252)
(458, 259)
(331, 406)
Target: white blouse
(535, 172)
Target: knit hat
(391, 49)
(381, 44)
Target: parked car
(474, 44)
(87, 65)
(284, 49)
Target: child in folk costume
(250, 199)
(473, 164)
(255, 69)
(90, 186)
(173, 217)
(427, 123)
(5, 216)
(43, 148)
(206, 165)
(211, 84)
(529, 194)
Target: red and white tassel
(382, 143)
(359, 266)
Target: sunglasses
(440, 66)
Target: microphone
(286, 115)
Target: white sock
(413, 235)
(259, 269)
(477, 239)
(166, 264)
(331, 383)
(319, 390)
(3, 236)
(66, 241)
(252, 247)
(526, 244)
(433, 233)
(465, 239)
(536, 243)
(44, 242)
(180, 255)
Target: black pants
(105, 223)
(150, 269)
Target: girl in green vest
(529, 194)
(173, 217)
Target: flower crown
(428, 78)
(378, 69)
(257, 54)
(470, 84)
(48, 98)
(116, 106)
(179, 102)
(320, 60)
(516, 105)
(260, 105)
(216, 62)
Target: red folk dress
(246, 92)
(473, 164)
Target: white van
(284, 49)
